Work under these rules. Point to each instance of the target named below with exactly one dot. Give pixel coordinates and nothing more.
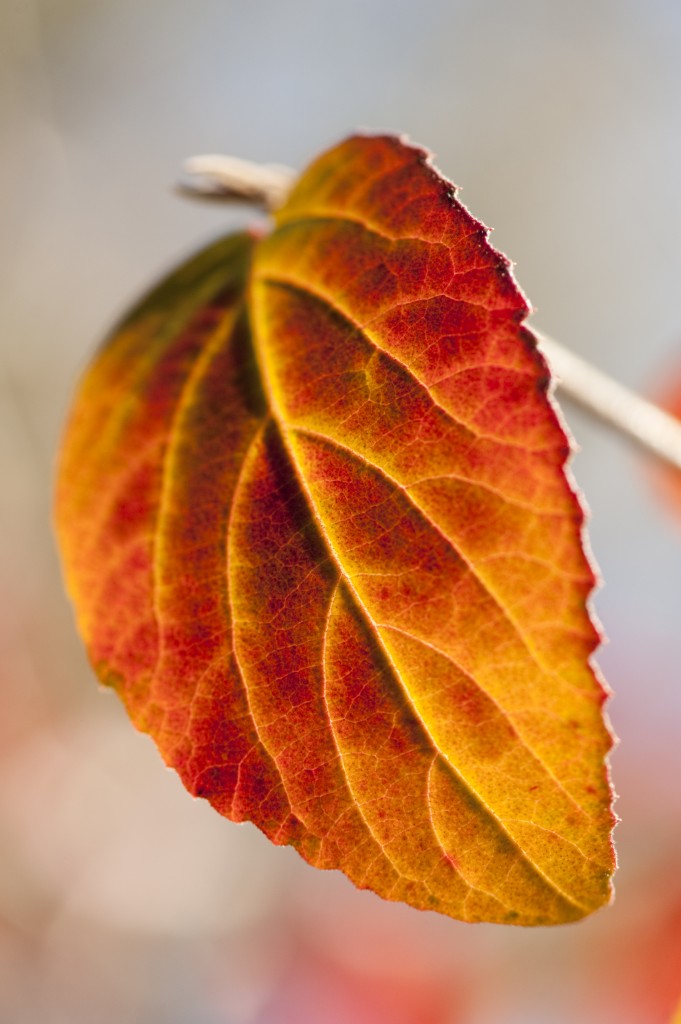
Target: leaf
(317, 530)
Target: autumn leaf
(316, 526)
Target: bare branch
(227, 177)
(640, 420)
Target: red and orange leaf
(317, 529)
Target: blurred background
(121, 898)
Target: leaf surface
(317, 529)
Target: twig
(640, 420)
(268, 185)
(227, 177)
